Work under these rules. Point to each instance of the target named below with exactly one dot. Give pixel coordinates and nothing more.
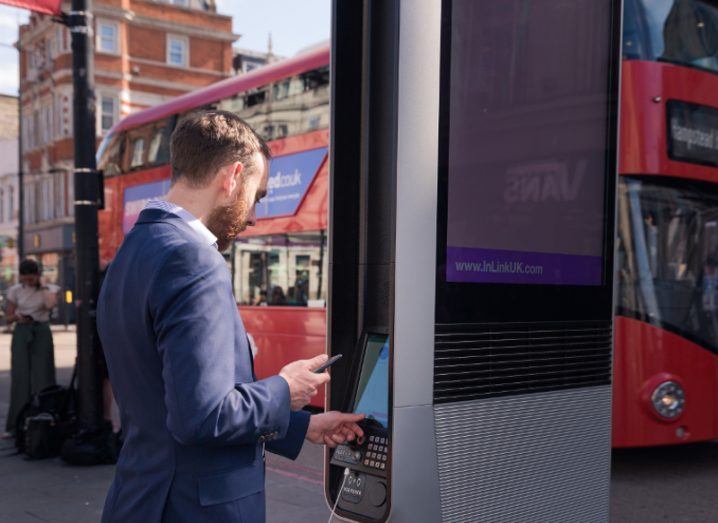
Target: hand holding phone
(331, 361)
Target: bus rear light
(668, 400)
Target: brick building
(8, 190)
(146, 52)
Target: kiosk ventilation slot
(477, 361)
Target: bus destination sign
(692, 133)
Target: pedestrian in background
(32, 354)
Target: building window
(35, 138)
(177, 50)
(11, 203)
(57, 123)
(60, 40)
(59, 196)
(48, 211)
(47, 125)
(107, 37)
(30, 193)
(109, 108)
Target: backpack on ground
(46, 421)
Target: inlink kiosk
(471, 241)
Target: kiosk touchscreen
(364, 489)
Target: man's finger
(316, 361)
(329, 442)
(346, 417)
(348, 433)
(321, 378)
(356, 429)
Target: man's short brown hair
(205, 141)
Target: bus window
(138, 149)
(281, 270)
(682, 32)
(159, 150)
(288, 107)
(109, 155)
(669, 257)
(149, 145)
(316, 79)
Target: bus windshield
(683, 32)
(668, 256)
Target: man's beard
(227, 221)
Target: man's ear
(231, 177)
(238, 169)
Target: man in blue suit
(195, 420)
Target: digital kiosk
(473, 170)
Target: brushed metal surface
(529, 458)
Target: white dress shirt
(189, 218)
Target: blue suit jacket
(194, 419)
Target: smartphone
(331, 361)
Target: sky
(293, 24)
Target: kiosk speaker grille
(532, 458)
(473, 361)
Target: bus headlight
(668, 399)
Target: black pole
(86, 203)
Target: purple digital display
(527, 159)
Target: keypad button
(383, 466)
(383, 457)
(366, 462)
(371, 438)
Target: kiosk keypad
(375, 455)
(372, 456)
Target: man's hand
(303, 383)
(334, 428)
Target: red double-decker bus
(279, 267)
(666, 339)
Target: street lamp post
(86, 180)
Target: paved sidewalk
(51, 491)
(47, 490)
